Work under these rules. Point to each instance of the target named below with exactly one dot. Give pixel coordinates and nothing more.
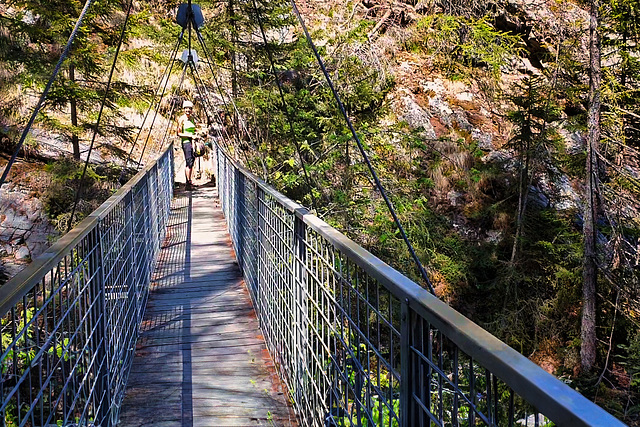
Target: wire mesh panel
(359, 344)
(450, 387)
(275, 285)
(47, 338)
(354, 346)
(70, 319)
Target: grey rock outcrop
(417, 117)
(25, 231)
(543, 24)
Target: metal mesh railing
(70, 319)
(359, 344)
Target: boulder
(22, 254)
(25, 231)
(485, 140)
(575, 141)
(562, 195)
(417, 117)
(442, 109)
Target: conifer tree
(535, 140)
(612, 192)
(590, 267)
(620, 150)
(38, 30)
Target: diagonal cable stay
(97, 125)
(45, 93)
(285, 109)
(356, 138)
(164, 78)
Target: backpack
(199, 148)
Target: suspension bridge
(234, 305)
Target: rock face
(417, 117)
(25, 231)
(544, 24)
(444, 110)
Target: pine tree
(535, 140)
(38, 31)
(590, 268)
(619, 154)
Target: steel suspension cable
(227, 109)
(285, 108)
(165, 74)
(196, 74)
(209, 105)
(235, 107)
(184, 72)
(203, 93)
(97, 125)
(387, 201)
(259, 138)
(164, 90)
(47, 88)
(162, 141)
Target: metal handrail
(70, 319)
(335, 317)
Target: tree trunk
(523, 194)
(75, 141)
(590, 270)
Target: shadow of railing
(199, 326)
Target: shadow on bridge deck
(201, 359)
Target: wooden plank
(201, 359)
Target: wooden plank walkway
(201, 359)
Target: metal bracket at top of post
(190, 56)
(195, 14)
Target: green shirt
(188, 127)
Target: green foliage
(321, 137)
(381, 415)
(457, 41)
(59, 197)
(26, 332)
(535, 141)
(19, 355)
(633, 360)
(66, 169)
(37, 31)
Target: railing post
(103, 417)
(239, 215)
(405, 364)
(260, 226)
(129, 254)
(300, 306)
(147, 239)
(253, 229)
(218, 170)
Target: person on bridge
(187, 131)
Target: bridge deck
(201, 360)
